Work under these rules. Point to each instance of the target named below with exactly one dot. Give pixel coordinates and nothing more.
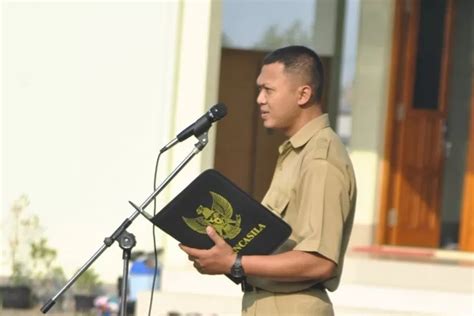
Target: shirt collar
(306, 132)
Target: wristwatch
(237, 271)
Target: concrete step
(414, 273)
(406, 283)
(372, 284)
(362, 299)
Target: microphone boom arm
(108, 241)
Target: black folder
(212, 199)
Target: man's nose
(260, 98)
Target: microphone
(202, 124)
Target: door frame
(387, 170)
(390, 172)
(466, 236)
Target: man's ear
(304, 94)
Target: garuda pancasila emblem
(218, 216)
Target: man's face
(278, 98)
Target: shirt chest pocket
(277, 201)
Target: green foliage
(293, 35)
(19, 274)
(43, 259)
(88, 282)
(25, 228)
(33, 261)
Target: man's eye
(264, 89)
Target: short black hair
(301, 60)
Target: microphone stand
(127, 240)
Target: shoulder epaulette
(321, 148)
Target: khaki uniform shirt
(314, 190)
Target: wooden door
(234, 137)
(245, 151)
(419, 110)
(467, 217)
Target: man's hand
(216, 260)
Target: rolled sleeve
(321, 202)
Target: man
(313, 190)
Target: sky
(245, 21)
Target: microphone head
(218, 111)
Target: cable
(154, 238)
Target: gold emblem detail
(218, 216)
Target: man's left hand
(216, 260)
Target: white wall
(3, 248)
(370, 106)
(197, 87)
(90, 92)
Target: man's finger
(193, 252)
(211, 232)
(197, 266)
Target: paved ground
(36, 312)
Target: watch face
(236, 272)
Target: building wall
(369, 112)
(196, 88)
(90, 92)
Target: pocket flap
(277, 201)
